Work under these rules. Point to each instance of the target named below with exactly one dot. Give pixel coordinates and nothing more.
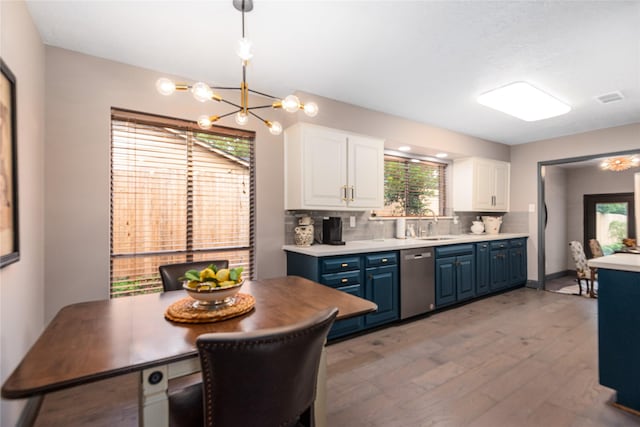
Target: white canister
(492, 224)
(401, 226)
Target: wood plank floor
(523, 358)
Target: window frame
(189, 252)
(443, 170)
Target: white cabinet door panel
(325, 168)
(365, 172)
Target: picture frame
(9, 229)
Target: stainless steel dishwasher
(417, 282)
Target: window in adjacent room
(178, 194)
(413, 185)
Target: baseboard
(560, 274)
(534, 284)
(30, 412)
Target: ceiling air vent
(610, 97)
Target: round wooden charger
(183, 311)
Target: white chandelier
(204, 92)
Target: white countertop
(361, 246)
(625, 262)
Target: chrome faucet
(430, 224)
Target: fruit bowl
(213, 297)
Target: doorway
(609, 218)
(542, 212)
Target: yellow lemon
(204, 288)
(223, 275)
(193, 284)
(207, 273)
(227, 283)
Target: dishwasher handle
(409, 257)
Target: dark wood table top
(90, 341)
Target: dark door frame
(541, 203)
(589, 201)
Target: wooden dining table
(92, 341)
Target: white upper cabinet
(480, 185)
(329, 169)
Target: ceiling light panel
(523, 101)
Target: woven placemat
(183, 311)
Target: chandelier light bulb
(275, 128)
(204, 122)
(242, 118)
(291, 104)
(311, 109)
(165, 86)
(201, 91)
(243, 49)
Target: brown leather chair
(171, 273)
(263, 378)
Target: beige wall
(81, 90)
(590, 180)
(556, 232)
(402, 131)
(22, 283)
(524, 169)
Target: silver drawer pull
(344, 264)
(344, 280)
(384, 260)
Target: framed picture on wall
(9, 236)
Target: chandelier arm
(257, 116)
(229, 114)
(260, 106)
(225, 87)
(266, 95)
(232, 103)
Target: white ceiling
(422, 60)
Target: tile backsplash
(368, 228)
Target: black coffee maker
(332, 231)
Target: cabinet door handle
(344, 280)
(344, 193)
(353, 193)
(344, 264)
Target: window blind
(178, 194)
(413, 185)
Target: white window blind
(413, 185)
(178, 194)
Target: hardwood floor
(523, 358)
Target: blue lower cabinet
(483, 277)
(517, 262)
(348, 326)
(455, 274)
(373, 276)
(465, 277)
(381, 287)
(499, 269)
(445, 281)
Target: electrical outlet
(352, 221)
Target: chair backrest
(582, 269)
(265, 378)
(171, 273)
(596, 249)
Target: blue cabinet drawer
(516, 243)
(453, 250)
(499, 244)
(341, 279)
(380, 260)
(333, 265)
